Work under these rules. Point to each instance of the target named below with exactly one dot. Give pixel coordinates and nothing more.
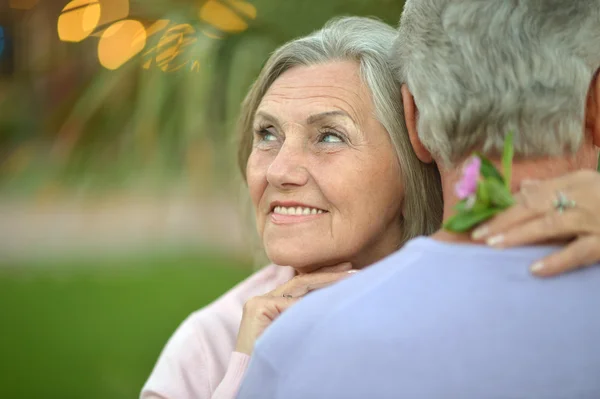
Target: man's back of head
(479, 69)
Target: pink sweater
(198, 361)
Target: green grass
(95, 330)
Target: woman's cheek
(257, 184)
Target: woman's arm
(229, 386)
(186, 365)
(538, 217)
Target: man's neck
(539, 169)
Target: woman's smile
(292, 212)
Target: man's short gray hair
(367, 41)
(480, 68)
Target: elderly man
(445, 317)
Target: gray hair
(479, 69)
(368, 41)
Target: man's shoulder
(422, 270)
(414, 309)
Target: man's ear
(411, 114)
(592, 110)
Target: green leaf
(500, 195)
(507, 158)
(488, 170)
(483, 195)
(464, 222)
(461, 206)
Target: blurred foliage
(95, 330)
(114, 128)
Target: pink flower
(467, 186)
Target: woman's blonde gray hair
(480, 69)
(367, 41)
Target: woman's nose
(289, 168)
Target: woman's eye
(268, 136)
(265, 135)
(331, 138)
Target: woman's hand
(260, 311)
(536, 218)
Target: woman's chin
(302, 261)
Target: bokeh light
(113, 10)
(78, 20)
(120, 42)
(212, 34)
(227, 17)
(173, 47)
(157, 27)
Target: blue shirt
(436, 320)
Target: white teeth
(296, 211)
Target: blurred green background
(121, 210)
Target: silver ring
(287, 296)
(562, 203)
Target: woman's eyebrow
(311, 120)
(266, 116)
(326, 115)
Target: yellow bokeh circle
(229, 17)
(121, 42)
(78, 20)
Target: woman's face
(323, 174)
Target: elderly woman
(335, 187)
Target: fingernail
(495, 240)
(479, 233)
(352, 271)
(537, 267)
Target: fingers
(583, 252)
(258, 314)
(342, 267)
(550, 226)
(302, 285)
(511, 217)
(535, 219)
(302, 291)
(305, 283)
(536, 199)
(269, 306)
